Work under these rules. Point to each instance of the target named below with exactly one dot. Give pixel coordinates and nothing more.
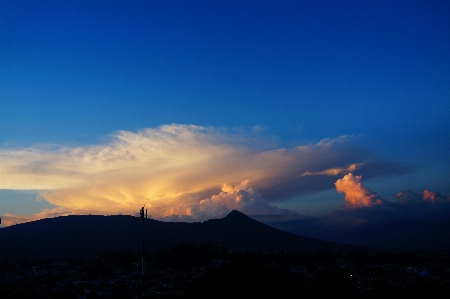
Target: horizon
(327, 119)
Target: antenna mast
(143, 217)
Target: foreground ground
(209, 271)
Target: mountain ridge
(88, 236)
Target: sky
(330, 119)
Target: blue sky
(363, 83)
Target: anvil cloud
(182, 172)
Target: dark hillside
(88, 236)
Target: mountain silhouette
(88, 236)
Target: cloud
(12, 219)
(334, 171)
(434, 196)
(175, 168)
(410, 197)
(219, 205)
(356, 194)
(415, 221)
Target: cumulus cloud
(219, 205)
(356, 195)
(182, 170)
(410, 197)
(433, 196)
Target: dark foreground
(209, 271)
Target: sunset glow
(174, 170)
(278, 109)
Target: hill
(88, 236)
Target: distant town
(206, 271)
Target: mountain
(89, 236)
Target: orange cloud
(356, 195)
(429, 195)
(434, 196)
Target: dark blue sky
(264, 75)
